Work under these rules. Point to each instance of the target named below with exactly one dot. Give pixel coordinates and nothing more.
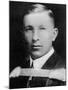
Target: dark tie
(30, 78)
(31, 65)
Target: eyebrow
(28, 26)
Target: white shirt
(38, 63)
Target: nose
(35, 35)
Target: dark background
(17, 50)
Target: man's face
(39, 33)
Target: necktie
(30, 78)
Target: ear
(55, 33)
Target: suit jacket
(54, 62)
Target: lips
(36, 46)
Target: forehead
(40, 18)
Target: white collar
(38, 63)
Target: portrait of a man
(37, 45)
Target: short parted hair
(39, 8)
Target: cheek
(28, 37)
(46, 37)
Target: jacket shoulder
(61, 63)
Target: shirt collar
(38, 63)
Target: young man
(40, 32)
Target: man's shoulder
(16, 80)
(60, 62)
(55, 61)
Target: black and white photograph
(37, 44)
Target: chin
(36, 55)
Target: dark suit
(54, 62)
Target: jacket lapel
(51, 62)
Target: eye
(28, 28)
(42, 28)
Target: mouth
(36, 46)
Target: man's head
(39, 30)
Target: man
(40, 32)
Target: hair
(37, 8)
